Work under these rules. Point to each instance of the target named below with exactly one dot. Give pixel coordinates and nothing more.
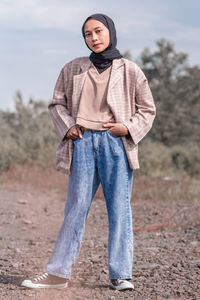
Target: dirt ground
(166, 257)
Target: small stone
(180, 290)
(181, 240)
(91, 243)
(104, 271)
(149, 266)
(22, 201)
(187, 276)
(152, 249)
(95, 258)
(31, 243)
(179, 266)
(15, 265)
(194, 243)
(27, 222)
(195, 262)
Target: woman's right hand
(74, 132)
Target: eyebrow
(93, 29)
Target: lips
(96, 45)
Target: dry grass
(33, 176)
(177, 188)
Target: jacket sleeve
(141, 122)
(58, 108)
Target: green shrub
(156, 159)
(186, 158)
(27, 135)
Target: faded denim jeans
(99, 157)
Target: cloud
(142, 21)
(26, 14)
(60, 14)
(149, 18)
(41, 35)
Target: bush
(156, 159)
(28, 135)
(186, 158)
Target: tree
(176, 90)
(27, 134)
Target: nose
(94, 37)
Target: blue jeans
(99, 157)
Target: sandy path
(167, 248)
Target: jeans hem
(120, 277)
(59, 275)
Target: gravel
(166, 256)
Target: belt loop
(84, 128)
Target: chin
(98, 51)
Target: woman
(102, 107)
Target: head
(99, 33)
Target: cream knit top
(93, 108)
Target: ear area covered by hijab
(103, 60)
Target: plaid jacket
(129, 98)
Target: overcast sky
(37, 37)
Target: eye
(98, 30)
(87, 34)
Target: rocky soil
(167, 248)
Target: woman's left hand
(117, 129)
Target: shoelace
(117, 281)
(41, 277)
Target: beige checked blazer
(129, 98)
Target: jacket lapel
(115, 72)
(78, 82)
(115, 76)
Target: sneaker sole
(125, 288)
(31, 285)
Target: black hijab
(103, 60)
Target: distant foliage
(27, 134)
(176, 90)
(158, 159)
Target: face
(97, 35)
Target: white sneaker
(121, 284)
(46, 281)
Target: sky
(38, 37)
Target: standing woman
(102, 107)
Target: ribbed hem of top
(91, 124)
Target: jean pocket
(115, 142)
(116, 136)
(76, 140)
